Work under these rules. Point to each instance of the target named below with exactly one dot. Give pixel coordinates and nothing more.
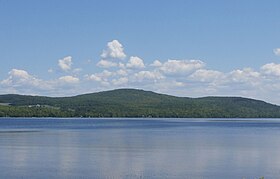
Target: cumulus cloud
(149, 75)
(122, 65)
(271, 69)
(77, 70)
(106, 74)
(94, 77)
(277, 51)
(156, 63)
(65, 63)
(106, 64)
(69, 79)
(20, 81)
(120, 81)
(18, 77)
(181, 66)
(114, 50)
(246, 78)
(244, 74)
(204, 75)
(135, 62)
(122, 72)
(102, 78)
(19, 74)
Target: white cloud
(181, 66)
(156, 63)
(135, 62)
(271, 69)
(247, 76)
(94, 77)
(69, 79)
(150, 75)
(65, 63)
(106, 73)
(77, 70)
(277, 51)
(122, 65)
(106, 64)
(21, 79)
(20, 74)
(100, 77)
(122, 72)
(114, 50)
(204, 75)
(120, 81)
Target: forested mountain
(135, 103)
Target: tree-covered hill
(135, 103)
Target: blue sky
(180, 47)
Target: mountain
(135, 103)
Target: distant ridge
(135, 103)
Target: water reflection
(189, 151)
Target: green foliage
(136, 103)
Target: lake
(139, 148)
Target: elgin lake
(139, 148)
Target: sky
(191, 48)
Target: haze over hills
(135, 103)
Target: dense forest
(135, 103)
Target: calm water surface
(139, 148)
